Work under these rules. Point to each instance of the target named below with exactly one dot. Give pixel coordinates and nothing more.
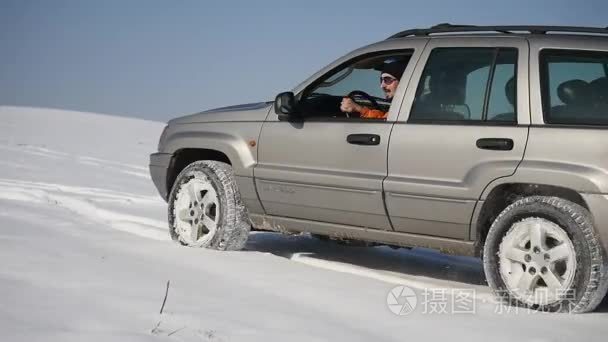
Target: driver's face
(389, 85)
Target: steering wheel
(365, 95)
(353, 94)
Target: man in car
(389, 80)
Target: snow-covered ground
(86, 257)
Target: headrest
(510, 91)
(573, 92)
(599, 88)
(448, 88)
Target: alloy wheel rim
(196, 211)
(537, 261)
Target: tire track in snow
(97, 193)
(81, 201)
(482, 294)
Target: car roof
(446, 28)
(549, 36)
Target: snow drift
(86, 256)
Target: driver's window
(358, 80)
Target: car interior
(581, 101)
(445, 90)
(359, 81)
(575, 87)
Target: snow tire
(590, 279)
(233, 225)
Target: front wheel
(543, 253)
(205, 208)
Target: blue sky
(161, 59)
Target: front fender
(237, 140)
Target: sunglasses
(387, 80)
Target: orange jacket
(368, 113)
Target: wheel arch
(186, 156)
(234, 143)
(498, 197)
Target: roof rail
(449, 28)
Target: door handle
(498, 144)
(363, 139)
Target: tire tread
(597, 285)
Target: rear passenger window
(575, 87)
(467, 84)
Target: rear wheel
(205, 208)
(543, 253)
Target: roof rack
(449, 28)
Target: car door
(464, 124)
(329, 168)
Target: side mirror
(285, 105)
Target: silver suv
(493, 144)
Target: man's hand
(349, 106)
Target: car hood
(245, 112)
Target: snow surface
(86, 257)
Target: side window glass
(466, 84)
(475, 88)
(353, 78)
(362, 79)
(575, 87)
(503, 92)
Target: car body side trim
(266, 181)
(340, 231)
(432, 198)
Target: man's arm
(368, 113)
(350, 106)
